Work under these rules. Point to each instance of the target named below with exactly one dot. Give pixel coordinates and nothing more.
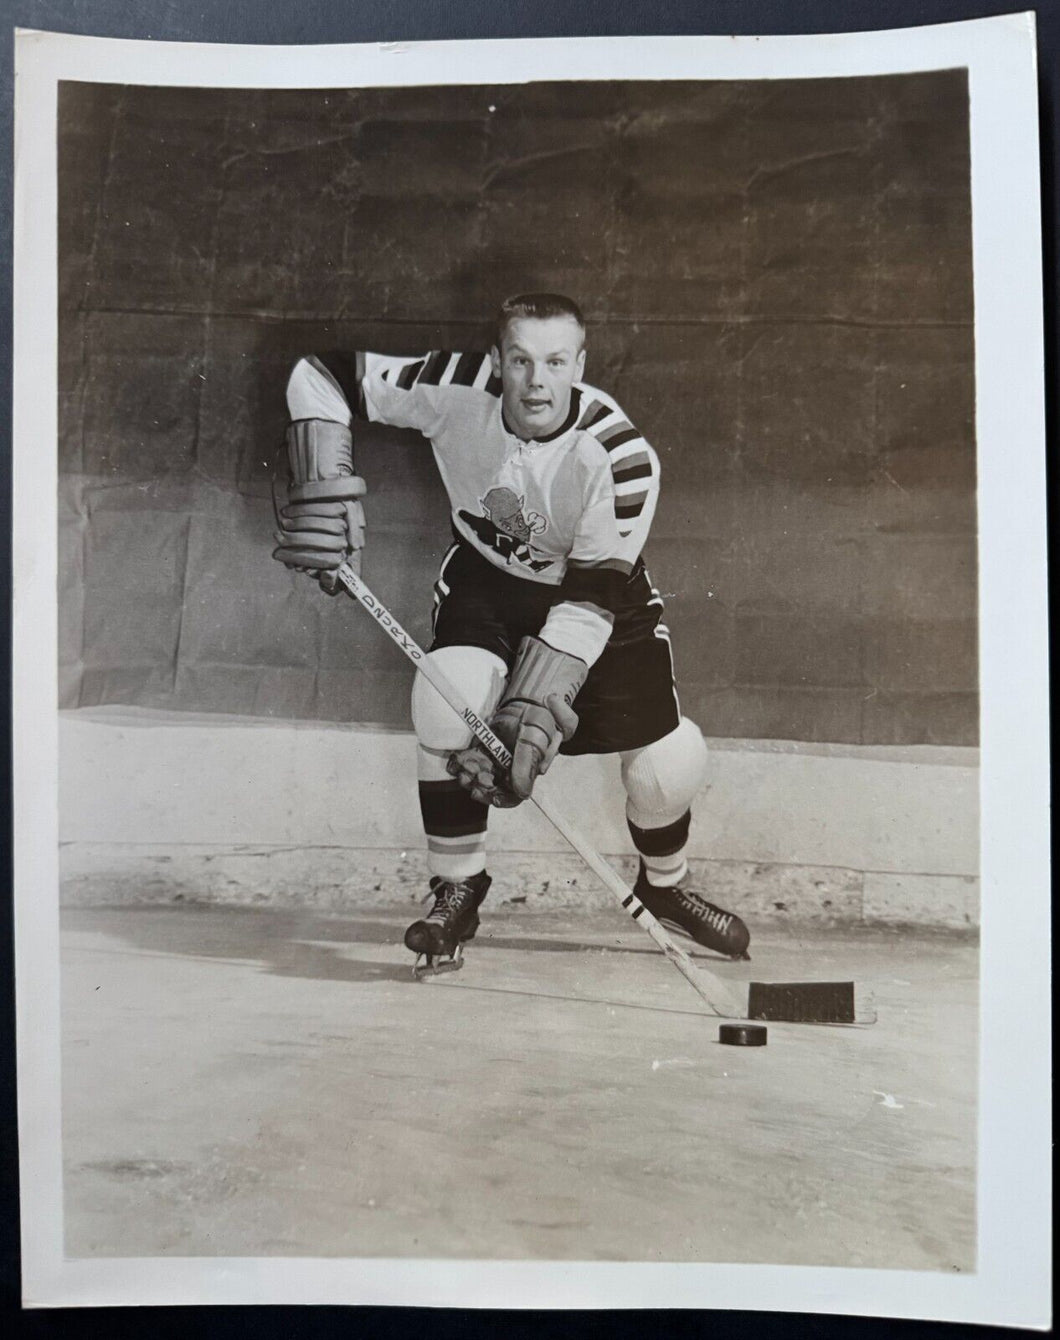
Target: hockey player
(544, 614)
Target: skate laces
(715, 918)
(447, 898)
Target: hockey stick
(792, 1002)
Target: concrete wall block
(814, 221)
(705, 652)
(789, 649)
(807, 404)
(133, 776)
(782, 577)
(164, 182)
(134, 611)
(292, 256)
(918, 108)
(344, 879)
(446, 158)
(924, 209)
(926, 385)
(892, 717)
(915, 224)
(950, 901)
(89, 112)
(932, 509)
(911, 657)
(789, 512)
(810, 208)
(772, 712)
(680, 256)
(853, 811)
(569, 259)
(322, 877)
(773, 891)
(702, 150)
(788, 119)
(922, 577)
(142, 378)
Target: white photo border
(1012, 1285)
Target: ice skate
(438, 939)
(689, 914)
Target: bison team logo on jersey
(505, 528)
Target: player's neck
(569, 420)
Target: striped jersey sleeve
(404, 392)
(634, 470)
(412, 392)
(621, 496)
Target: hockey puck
(742, 1035)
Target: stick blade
(809, 1003)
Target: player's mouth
(533, 405)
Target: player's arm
(405, 392)
(323, 526)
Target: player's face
(539, 363)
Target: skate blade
(427, 965)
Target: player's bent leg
(479, 675)
(455, 823)
(661, 780)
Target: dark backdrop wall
(778, 282)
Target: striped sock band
(455, 824)
(663, 850)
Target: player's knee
(478, 675)
(664, 777)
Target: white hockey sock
(665, 871)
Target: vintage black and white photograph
(517, 659)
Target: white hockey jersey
(572, 509)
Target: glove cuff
(347, 488)
(319, 449)
(541, 670)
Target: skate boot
(689, 914)
(437, 940)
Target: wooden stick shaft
(712, 990)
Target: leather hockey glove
(322, 524)
(533, 719)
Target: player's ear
(579, 365)
(495, 361)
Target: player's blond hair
(539, 306)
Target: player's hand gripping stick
(532, 720)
